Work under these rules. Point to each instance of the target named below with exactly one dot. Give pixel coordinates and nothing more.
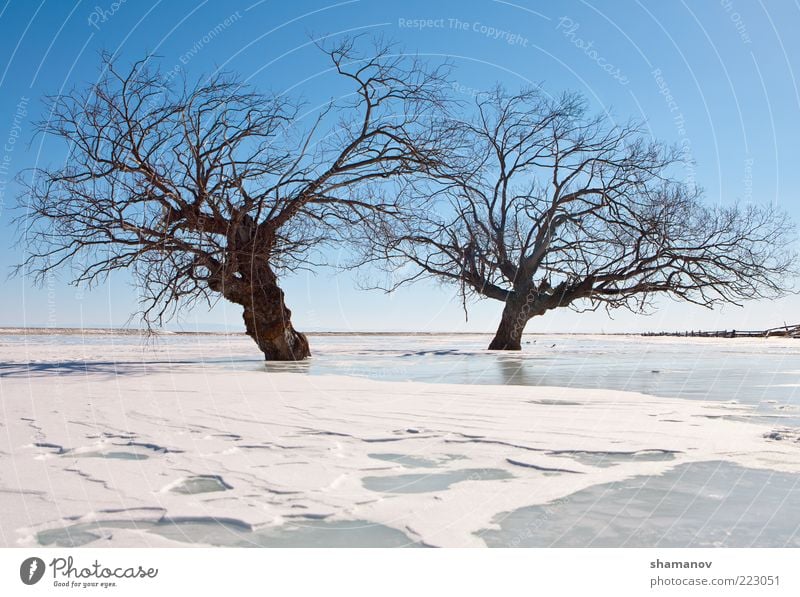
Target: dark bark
(517, 312)
(508, 336)
(268, 322)
(267, 319)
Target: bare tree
(545, 207)
(212, 190)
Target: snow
(112, 438)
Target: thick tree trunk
(268, 322)
(516, 314)
(508, 335)
(267, 319)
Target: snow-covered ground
(107, 441)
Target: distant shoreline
(69, 331)
(57, 331)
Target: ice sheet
(97, 437)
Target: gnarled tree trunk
(267, 319)
(519, 309)
(507, 337)
(509, 332)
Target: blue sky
(730, 67)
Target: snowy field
(106, 440)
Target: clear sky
(731, 67)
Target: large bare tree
(545, 206)
(215, 190)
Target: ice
(707, 504)
(406, 460)
(231, 533)
(200, 484)
(422, 483)
(604, 459)
(388, 440)
(117, 455)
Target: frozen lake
(388, 440)
(762, 373)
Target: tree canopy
(542, 205)
(215, 189)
